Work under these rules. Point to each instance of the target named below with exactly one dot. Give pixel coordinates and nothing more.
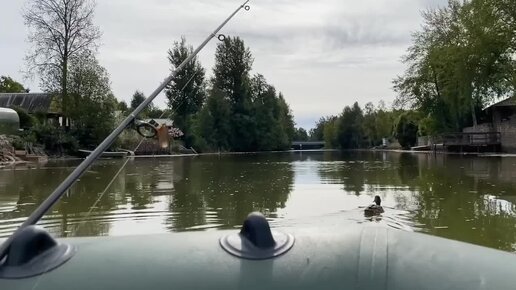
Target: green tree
(300, 135)
(241, 113)
(317, 133)
(8, 85)
(122, 106)
(349, 129)
(59, 31)
(406, 129)
(137, 99)
(330, 136)
(150, 111)
(460, 61)
(233, 63)
(93, 102)
(187, 93)
(286, 121)
(370, 126)
(212, 126)
(27, 121)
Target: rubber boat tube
(355, 257)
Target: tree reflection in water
(460, 197)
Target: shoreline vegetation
(459, 62)
(180, 155)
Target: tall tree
(300, 134)
(462, 60)
(233, 63)
(137, 99)
(349, 128)
(186, 93)
(150, 111)
(93, 106)
(8, 85)
(317, 133)
(212, 125)
(59, 31)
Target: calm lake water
(464, 198)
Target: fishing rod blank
(77, 172)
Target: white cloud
(322, 55)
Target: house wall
(506, 125)
(504, 121)
(481, 128)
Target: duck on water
(375, 208)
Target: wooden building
(34, 103)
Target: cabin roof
(509, 102)
(32, 102)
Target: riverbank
(69, 158)
(479, 154)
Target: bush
(406, 130)
(26, 120)
(55, 140)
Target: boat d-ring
(147, 130)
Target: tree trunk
(64, 88)
(472, 104)
(473, 114)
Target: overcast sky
(323, 55)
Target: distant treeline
(232, 111)
(358, 128)
(462, 60)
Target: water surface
(459, 197)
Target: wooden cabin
(35, 103)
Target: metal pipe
(77, 173)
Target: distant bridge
(307, 145)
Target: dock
(472, 142)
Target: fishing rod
(38, 213)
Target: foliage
(242, 113)
(93, 106)
(138, 98)
(187, 93)
(461, 61)
(8, 85)
(317, 133)
(55, 140)
(150, 111)
(26, 120)
(330, 132)
(300, 134)
(406, 129)
(356, 128)
(349, 129)
(212, 127)
(122, 106)
(59, 31)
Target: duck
(375, 208)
